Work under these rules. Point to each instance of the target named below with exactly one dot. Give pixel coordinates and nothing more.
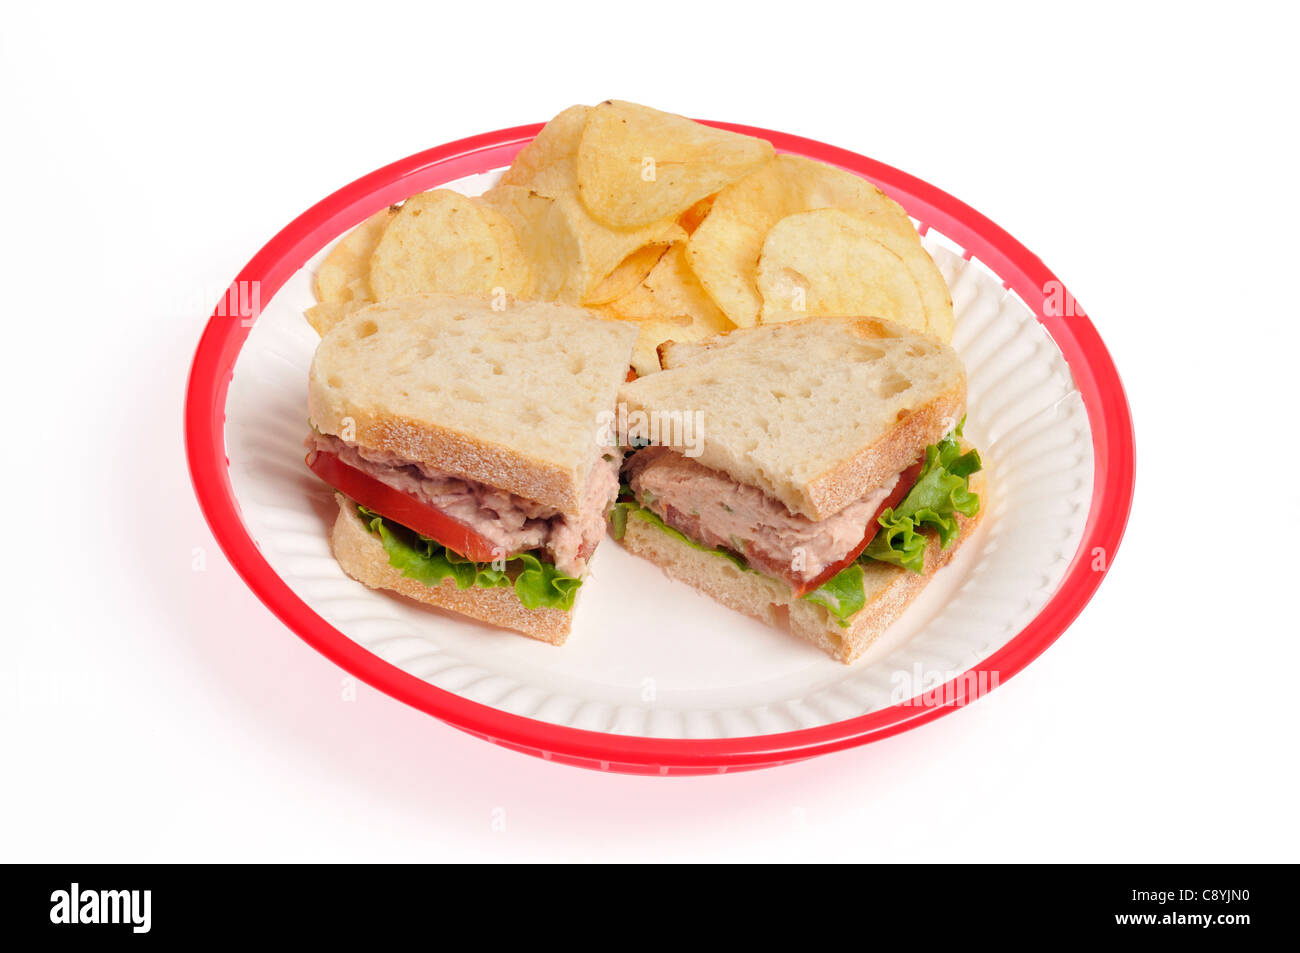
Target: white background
(152, 712)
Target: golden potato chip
(546, 165)
(935, 294)
(343, 273)
(574, 258)
(828, 261)
(690, 219)
(342, 282)
(611, 261)
(668, 305)
(724, 249)
(638, 165)
(936, 299)
(547, 243)
(627, 274)
(441, 241)
(516, 273)
(670, 290)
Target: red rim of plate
(1021, 271)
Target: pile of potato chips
(649, 217)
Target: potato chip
(670, 290)
(546, 165)
(441, 241)
(935, 296)
(574, 258)
(669, 304)
(828, 261)
(936, 300)
(342, 282)
(516, 273)
(724, 249)
(638, 165)
(611, 261)
(549, 245)
(690, 219)
(628, 274)
(345, 270)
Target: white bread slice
(815, 412)
(889, 589)
(507, 398)
(362, 557)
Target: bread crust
(451, 451)
(362, 557)
(772, 601)
(893, 453)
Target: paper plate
(655, 677)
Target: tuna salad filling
(714, 510)
(509, 522)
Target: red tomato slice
(905, 483)
(401, 507)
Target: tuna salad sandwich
(828, 480)
(461, 444)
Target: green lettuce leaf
(538, 584)
(842, 595)
(941, 492)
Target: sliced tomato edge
(906, 480)
(445, 530)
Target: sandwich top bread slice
(824, 482)
(506, 398)
(464, 445)
(813, 410)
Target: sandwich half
(463, 447)
(810, 473)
